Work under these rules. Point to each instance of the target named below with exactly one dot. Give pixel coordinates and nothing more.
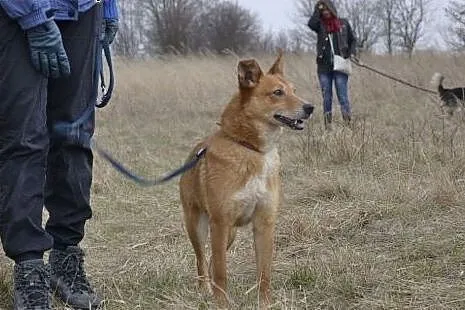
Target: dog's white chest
(256, 189)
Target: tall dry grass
(373, 216)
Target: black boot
(32, 286)
(347, 119)
(328, 120)
(69, 281)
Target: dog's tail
(436, 81)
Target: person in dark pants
(48, 52)
(325, 21)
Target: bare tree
(130, 33)
(408, 22)
(363, 16)
(304, 9)
(227, 25)
(387, 12)
(456, 12)
(170, 24)
(296, 41)
(282, 41)
(266, 43)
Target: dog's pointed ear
(277, 67)
(248, 73)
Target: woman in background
(325, 22)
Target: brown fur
(238, 181)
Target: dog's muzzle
(296, 123)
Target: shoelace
(74, 274)
(34, 287)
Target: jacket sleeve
(28, 13)
(314, 21)
(110, 9)
(352, 40)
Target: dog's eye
(278, 92)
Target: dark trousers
(36, 169)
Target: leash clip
(200, 152)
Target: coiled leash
(106, 95)
(362, 65)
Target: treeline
(154, 27)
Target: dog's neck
(235, 131)
(254, 135)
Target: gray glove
(47, 52)
(109, 30)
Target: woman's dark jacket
(344, 41)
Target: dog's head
(269, 97)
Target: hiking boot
(68, 279)
(328, 118)
(32, 286)
(346, 119)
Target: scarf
(332, 24)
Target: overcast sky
(279, 14)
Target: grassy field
(373, 218)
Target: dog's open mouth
(293, 123)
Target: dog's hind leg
(197, 229)
(263, 231)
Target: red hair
(332, 24)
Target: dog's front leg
(263, 231)
(219, 237)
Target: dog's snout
(308, 108)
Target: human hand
(47, 52)
(320, 5)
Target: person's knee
(342, 94)
(327, 93)
(326, 89)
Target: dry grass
(373, 217)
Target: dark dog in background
(452, 98)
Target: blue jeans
(340, 80)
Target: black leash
(360, 64)
(141, 180)
(106, 95)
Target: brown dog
(237, 182)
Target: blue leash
(141, 180)
(71, 131)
